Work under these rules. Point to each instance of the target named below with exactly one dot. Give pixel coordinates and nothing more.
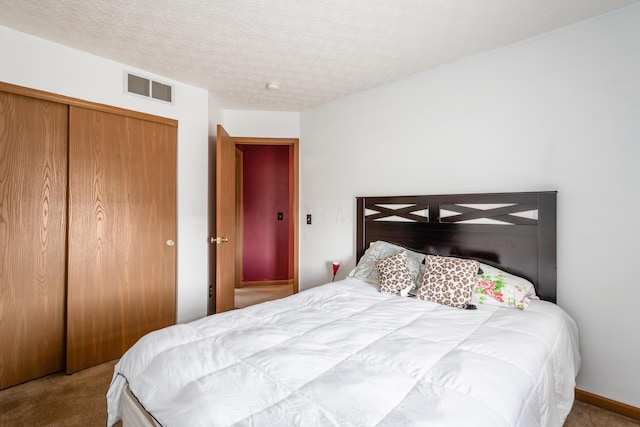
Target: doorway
(266, 217)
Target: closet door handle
(170, 243)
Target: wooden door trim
(61, 99)
(265, 141)
(239, 216)
(294, 142)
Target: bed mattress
(344, 354)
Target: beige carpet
(585, 415)
(59, 400)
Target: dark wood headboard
(512, 231)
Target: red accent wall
(267, 242)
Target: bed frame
(512, 231)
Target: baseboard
(267, 283)
(608, 404)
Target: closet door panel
(33, 173)
(122, 222)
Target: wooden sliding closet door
(33, 185)
(122, 228)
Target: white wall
(262, 124)
(558, 112)
(40, 64)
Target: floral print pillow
(497, 287)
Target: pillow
(448, 280)
(366, 269)
(497, 287)
(394, 273)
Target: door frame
(239, 226)
(294, 143)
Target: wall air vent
(143, 86)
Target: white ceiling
(319, 50)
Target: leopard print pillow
(448, 280)
(394, 273)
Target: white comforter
(343, 354)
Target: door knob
(218, 240)
(170, 243)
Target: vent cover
(143, 86)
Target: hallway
(249, 295)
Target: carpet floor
(59, 400)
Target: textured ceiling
(319, 50)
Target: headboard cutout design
(512, 231)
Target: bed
(365, 351)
